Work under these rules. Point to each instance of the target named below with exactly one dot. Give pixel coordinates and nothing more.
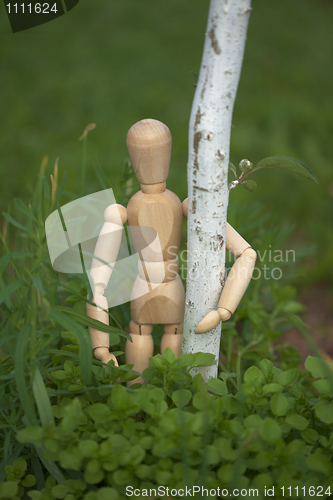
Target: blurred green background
(115, 62)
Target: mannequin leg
(140, 349)
(172, 337)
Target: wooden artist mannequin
(162, 300)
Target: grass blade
(38, 473)
(9, 289)
(6, 259)
(2, 381)
(14, 222)
(85, 352)
(50, 466)
(42, 399)
(93, 323)
(21, 384)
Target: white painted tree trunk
(209, 142)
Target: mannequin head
(149, 146)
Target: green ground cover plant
(72, 430)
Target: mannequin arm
(236, 284)
(105, 256)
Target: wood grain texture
(149, 146)
(164, 304)
(138, 353)
(98, 338)
(235, 244)
(238, 280)
(162, 212)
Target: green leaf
(51, 467)
(29, 481)
(37, 283)
(289, 377)
(93, 323)
(289, 164)
(316, 366)
(32, 434)
(10, 257)
(8, 460)
(279, 404)
(253, 376)
(121, 477)
(21, 384)
(202, 359)
(202, 401)
(20, 465)
(107, 493)
(324, 411)
(42, 399)
(181, 397)
(232, 168)
(119, 397)
(323, 386)
(169, 355)
(15, 223)
(88, 447)
(9, 289)
(310, 436)
(217, 386)
(225, 449)
(8, 489)
(253, 421)
(60, 491)
(297, 422)
(85, 353)
(319, 463)
(270, 430)
(250, 185)
(159, 362)
(2, 381)
(60, 375)
(272, 388)
(72, 416)
(199, 384)
(266, 366)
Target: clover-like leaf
(217, 386)
(181, 397)
(324, 411)
(297, 422)
(316, 366)
(279, 404)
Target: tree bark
(209, 142)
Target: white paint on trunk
(209, 141)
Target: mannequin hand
(103, 354)
(212, 319)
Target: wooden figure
(158, 293)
